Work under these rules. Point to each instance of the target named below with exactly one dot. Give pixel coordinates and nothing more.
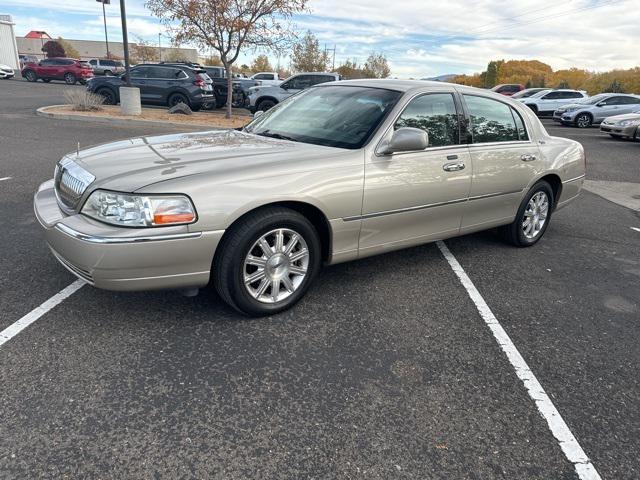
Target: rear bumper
(124, 259)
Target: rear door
(504, 159)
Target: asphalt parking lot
(385, 370)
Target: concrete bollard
(130, 101)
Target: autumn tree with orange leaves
(228, 26)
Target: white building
(8, 47)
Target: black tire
(177, 98)
(615, 137)
(221, 101)
(228, 264)
(70, 78)
(514, 233)
(583, 120)
(30, 76)
(636, 136)
(108, 95)
(265, 105)
(46, 80)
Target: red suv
(508, 89)
(67, 69)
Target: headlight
(627, 123)
(129, 210)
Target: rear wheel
(532, 218)
(265, 105)
(70, 78)
(177, 98)
(267, 261)
(583, 120)
(30, 76)
(108, 95)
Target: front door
(504, 162)
(415, 197)
(139, 78)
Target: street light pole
(125, 41)
(104, 17)
(159, 46)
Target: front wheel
(532, 218)
(583, 120)
(267, 261)
(70, 78)
(265, 105)
(30, 76)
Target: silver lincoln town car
(337, 172)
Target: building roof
(37, 34)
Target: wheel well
(556, 186)
(585, 113)
(262, 99)
(312, 213)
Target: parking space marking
(15, 328)
(568, 443)
(5, 178)
(635, 228)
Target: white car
(267, 78)
(6, 71)
(262, 98)
(547, 101)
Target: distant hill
(442, 78)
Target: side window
(139, 72)
(552, 96)
(300, 82)
(575, 95)
(629, 100)
(435, 114)
(93, 62)
(263, 76)
(46, 63)
(491, 121)
(108, 63)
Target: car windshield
(525, 93)
(335, 116)
(595, 99)
(540, 93)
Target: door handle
(527, 157)
(452, 157)
(453, 166)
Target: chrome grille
(71, 181)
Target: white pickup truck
(269, 79)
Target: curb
(123, 122)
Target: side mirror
(405, 139)
(601, 104)
(259, 113)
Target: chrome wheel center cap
(277, 266)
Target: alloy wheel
(583, 121)
(535, 215)
(276, 265)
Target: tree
(307, 56)
(261, 64)
(563, 84)
(376, 66)
(53, 49)
(228, 26)
(213, 61)
(349, 70)
(614, 87)
(143, 52)
(491, 75)
(69, 51)
(174, 55)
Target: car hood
(5, 67)
(132, 164)
(620, 118)
(571, 105)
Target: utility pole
(159, 46)
(125, 41)
(104, 17)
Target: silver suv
(264, 97)
(596, 109)
(106, 67)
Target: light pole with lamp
(104, 16)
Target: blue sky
(419, 37)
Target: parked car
(595, 109)
(220, 87)
(6, 71)
(24, 59)
(68, 69)
(527, 92)
(622, 126)
(508, 89)
(265, 97)
(546, 102)
(159, 84)
(338, 172)
(105, 66)
(266, 78)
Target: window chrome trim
(102, 240)
(423, 207)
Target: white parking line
(635, 228)
(15, 328)
(5, 178)
(568, 443)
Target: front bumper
(125, 259)
(628, 131)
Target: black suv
(159, 85)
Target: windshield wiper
(279, 136)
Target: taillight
(200, 82)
